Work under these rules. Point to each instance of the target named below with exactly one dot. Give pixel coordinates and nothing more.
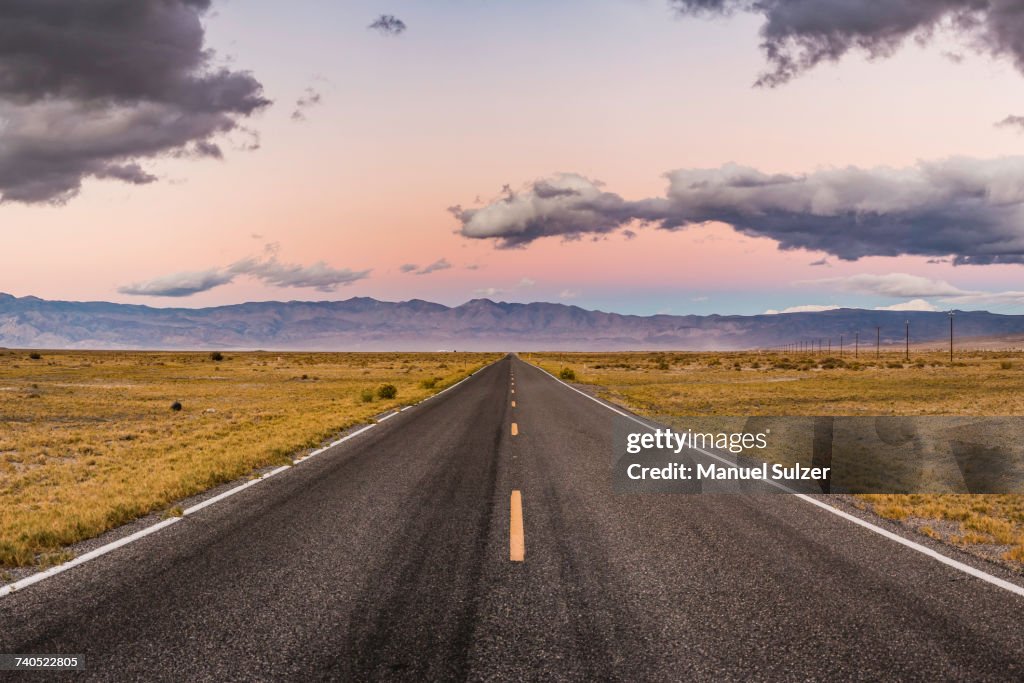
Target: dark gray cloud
(567, 205)
(269, 270)
(408, 267)
(971, 210)
(797, 35)
(388, 25)
(87, 89)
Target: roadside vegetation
(92, 440)
(978, 383)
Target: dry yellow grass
(666, 385)
(88, 440)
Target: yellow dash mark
(515, 429)
(516, 537)
(513, 404)
(513, 391)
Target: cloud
(1012, 122)
(88, 89)
(568, 205)
(440, 264)
(568, 294)
(913, 305)
(969, 209)
(895, 285)
(820, 262)
(904, 285)
(526, 282)
(269, 270)
(319, 275)
(180, 284)
(388, 25)
(797, 35)
(309, 98)
(807, 308)
(488, 291)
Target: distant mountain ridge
(363, 324)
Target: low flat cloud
(971, 210)
(180, 284)
(798, 35)
(269, 270)
(318, 276)
(439, 264)
(388, 25)
(806, 308)
(895, 285)
(91, 89)
(913, 305)
(917, 289)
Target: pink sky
(449, 112)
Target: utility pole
(878, 341)
(830, 346)
(908, 340)
(856, 344)
(840, 346)
(951, 337)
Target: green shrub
(1006, 365)
(366, 395)
(429, 383)
(35, 355)
(567, 374)
(387, 391)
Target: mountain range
(365, 324)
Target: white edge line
(142, 533)
(82, 559)
(924, 550)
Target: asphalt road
(388, 558)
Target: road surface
(388, 557)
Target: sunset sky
(580, 108)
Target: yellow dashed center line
(516, 537)
(515, 429)
(513, 404)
